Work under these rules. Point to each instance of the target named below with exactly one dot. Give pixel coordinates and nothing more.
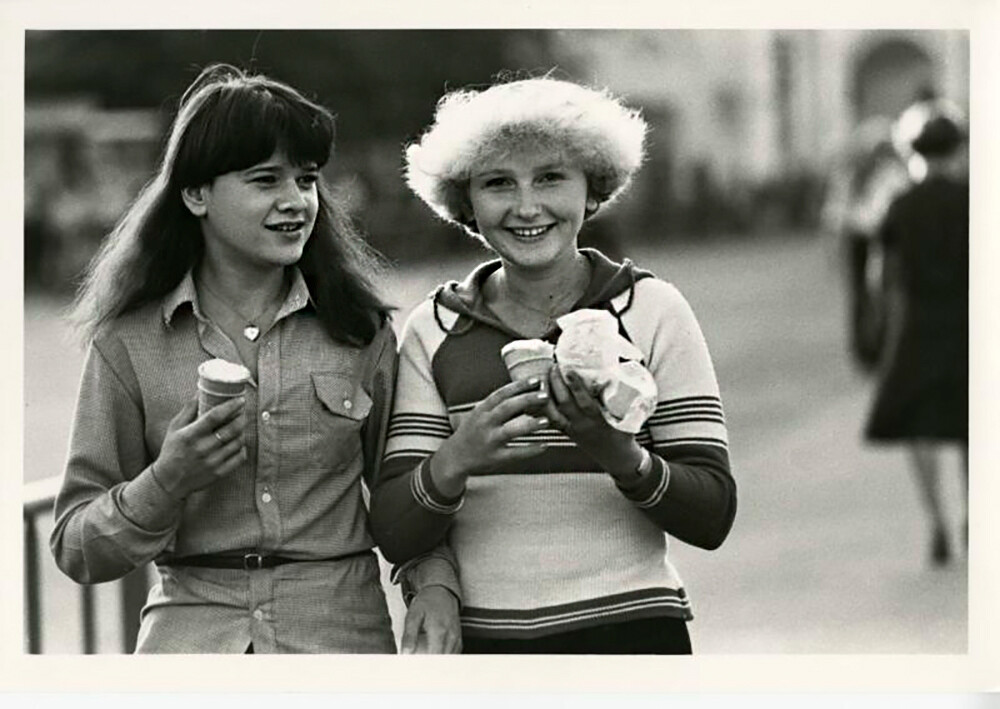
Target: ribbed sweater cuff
(649, 490)
(428, 495)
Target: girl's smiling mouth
(529, 232)
(286, 226)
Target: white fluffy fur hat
(592, 126)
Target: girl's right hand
(480, 443)
(198, 452)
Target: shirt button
(348, 404)
(266, 497)
(258, 614)
(266, 415)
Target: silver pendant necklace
(251, 331)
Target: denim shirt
(316, 417)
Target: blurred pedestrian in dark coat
(922, 395)
(861, 190)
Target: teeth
(534, 231)
(286, 227)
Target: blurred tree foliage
(381, 83)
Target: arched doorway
(889, 77)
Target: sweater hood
(608, 280)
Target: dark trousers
(648, 636)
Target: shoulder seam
(104, 358)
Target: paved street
(828, 551)
(827, 554)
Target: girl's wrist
(166, 480)
(447, 472)
(632, 466)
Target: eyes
(501, 182)
(268, 179)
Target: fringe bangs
(590, 125)
(243, 124)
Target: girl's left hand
(432, 623)
(577, 413)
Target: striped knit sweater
(555, 544)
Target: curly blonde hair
(593, 128)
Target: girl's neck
(552, 291)
(252, 290)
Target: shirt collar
(298, 297)
(184, 293)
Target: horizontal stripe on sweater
(440, 427)
(570, 616)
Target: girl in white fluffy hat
(560, 522)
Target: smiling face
(259, 218)
(529, 207)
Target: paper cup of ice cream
(218, 381)
(527, 358)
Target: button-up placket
(268, 427)
(268, 421)
(261, 609)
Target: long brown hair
(229, 120)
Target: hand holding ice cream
(219, 381)
(528, 358)
(591, 347)
(588, 345)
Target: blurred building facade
(747, 123)
(82, 165)
(745, 126)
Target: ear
(194, 200)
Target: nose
(527, 206)
(291, 199)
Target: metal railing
(39, 498)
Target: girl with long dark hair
(252, 511)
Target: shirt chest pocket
(339, 409)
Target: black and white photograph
(505, 341)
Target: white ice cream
(221, 370)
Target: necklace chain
(559, 305)
(251, 328)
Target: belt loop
(253, 562)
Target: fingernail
(543, 394)
(542, 421)
(533, 381)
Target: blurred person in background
(253, 511)
(861, 191)
(558, 520)
(923, 387)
